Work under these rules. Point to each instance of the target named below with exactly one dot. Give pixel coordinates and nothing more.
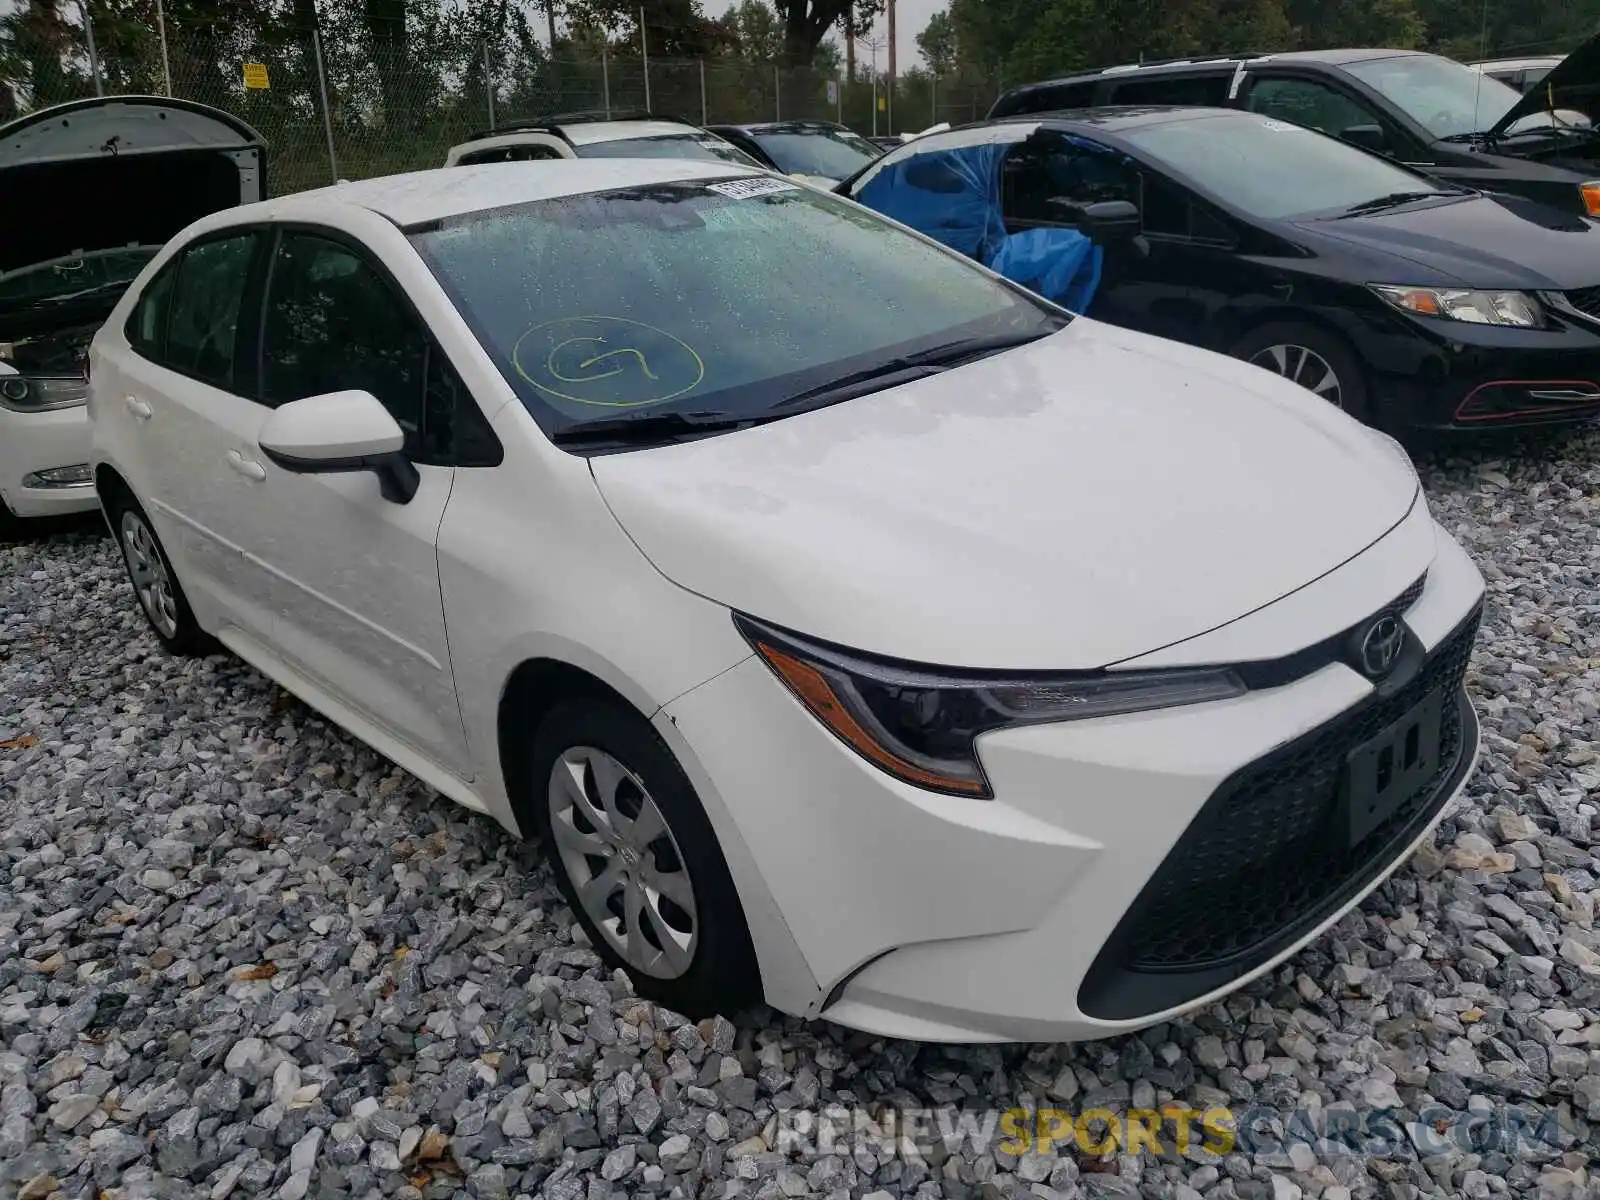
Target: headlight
(920, 724)
(40, 393)
(1457, 304)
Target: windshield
(63, 279)
(1447, 98)
(721, 297)
(1275, 169)
(699, 146)
(831, 153)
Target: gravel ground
(241, 954)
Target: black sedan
(822, 151)
(1412, 303)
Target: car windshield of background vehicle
(1447, 98)
(674, 145)
(720, 298)
(818, 152)
(1275, 169)
(72, 277)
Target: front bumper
(947, 919)
(1432, 375)
(35, 442)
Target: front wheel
(637, 859)
(1318, 361)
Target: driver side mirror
(1368, 137)
(1111, 221)
(338, 433)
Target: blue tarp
(953, 196)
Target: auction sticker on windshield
(745, 189)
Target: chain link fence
(342, 108)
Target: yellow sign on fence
(255, 75)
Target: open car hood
(119, 171)
(1572, 84)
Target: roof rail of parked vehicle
(1192, 59)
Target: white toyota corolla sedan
(856, 630)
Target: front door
(355, 577)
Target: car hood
(1496, 241)
(119, 171)
(1573, 84)
(1070, 504)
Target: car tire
(155, 584)
(598, 771)
(1310, 356)
(10, 526)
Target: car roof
(418, 197)
(1112, 118)
(588, 132)
(784, 126)
(1512, 64)
(1223, 62)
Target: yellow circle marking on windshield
(596, 349)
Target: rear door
(183, 424)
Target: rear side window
(146, 329)
(509, 154)
(207, 297)
(1209, 90)
(1046, 99)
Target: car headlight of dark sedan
(1461, 304)
(920, 724)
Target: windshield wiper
(1392, 200)
(913, 366)
(651, 427)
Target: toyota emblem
(1381, 645)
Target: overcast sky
(909, 17)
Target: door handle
(139, 408)
(246, 467)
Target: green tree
(938, 44)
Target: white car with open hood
(897, 647)
(93, 189)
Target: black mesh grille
(1585, 300)
(1263, 859)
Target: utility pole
(849, 49)
(893, 76)
(550, 19)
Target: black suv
(1428, 112)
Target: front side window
(829, 153)
(1310, 103)
(207, 298)
(1275, 169)
(1046, 178)
(700, 147)
(332, 324)
(688, 297)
